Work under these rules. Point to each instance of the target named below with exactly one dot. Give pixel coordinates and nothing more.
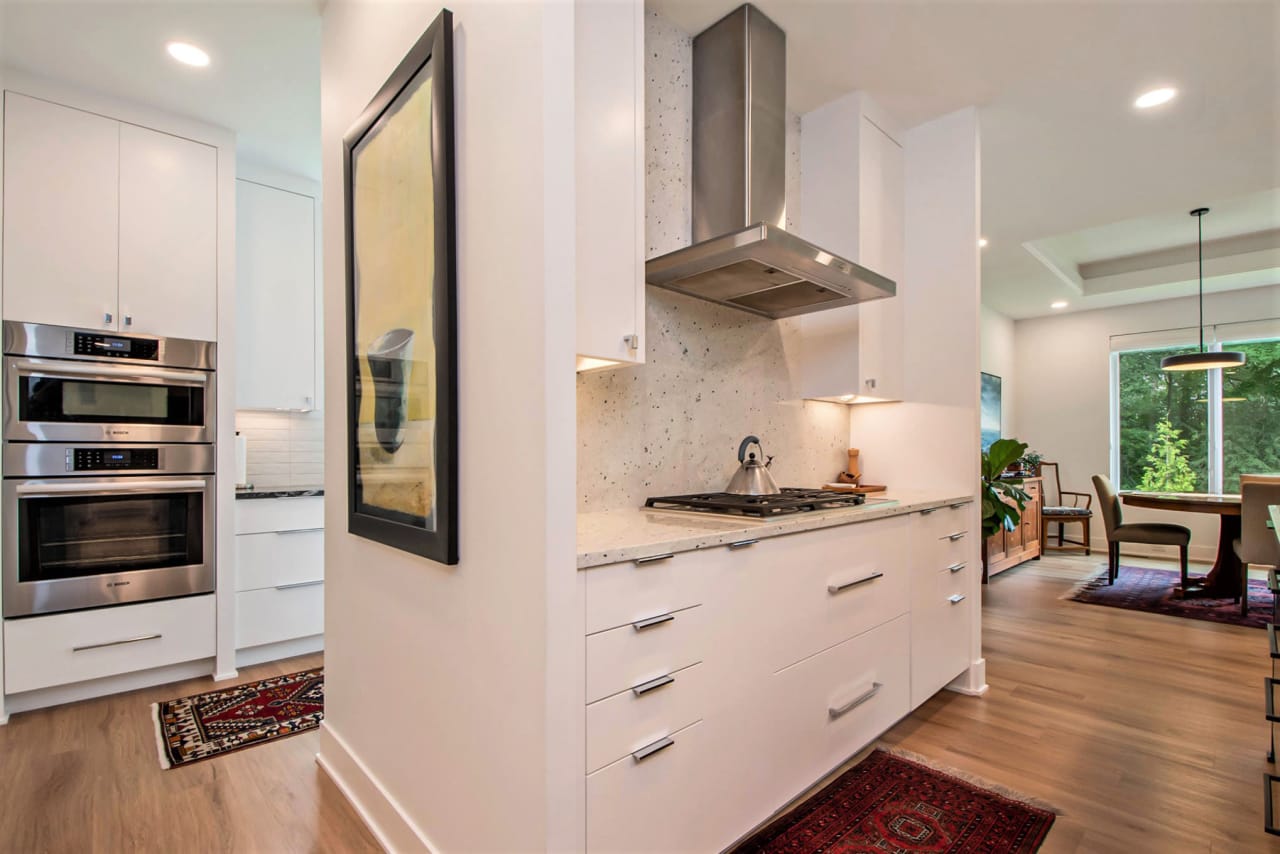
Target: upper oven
(71, 385)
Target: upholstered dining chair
(1063, 507)
(1146, 533)
(1257, 544)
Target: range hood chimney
(741, 256)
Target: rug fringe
(165, 764)
(1003, 791)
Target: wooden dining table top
(1191, 502)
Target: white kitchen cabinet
(61, 214)
(275, 298)
(853, 203)
(942, 581)
(168, 235)
(610, 155)
(279, 570)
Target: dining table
(1225, 579)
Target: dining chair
(1145, 533)
(1063, 507)
(1257, 544)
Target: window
(1194, 431)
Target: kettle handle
(746, 443)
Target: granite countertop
(613, 536)
(279, 492)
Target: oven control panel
(115, 346)
(106, 459)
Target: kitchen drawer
(956, 547)
(937, 522)
(279, 614)
(278, 558)
(826, 708)
(60, 649)
(626, 722)
(621, 593)
(263, 515)
(621, 658)
(942, 608)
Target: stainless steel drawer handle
(650, 622)
(743, 544)
(927, 511)
(956, 567)
(298, 584)
(649, 749)
(646, 687)
(958, 535)
(301, 530)
(840, 588)
(837, 711)
(959, 504)
(956, 599)
(138, 639)
(642, 561)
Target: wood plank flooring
(1146, 730)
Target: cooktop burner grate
(788, 501)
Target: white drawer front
(626, 722)
(277, 558)
(622, 593)
(260, 515)
(60, 649)
(941, 618)
(272, 615)
(621, 658)
(947, 519)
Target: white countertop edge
(735, 530)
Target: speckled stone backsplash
(713, 375)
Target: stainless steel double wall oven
(108, 491)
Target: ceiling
(263, 81)
(1065, 157)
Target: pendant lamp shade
(1202, 361)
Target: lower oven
(98, 524)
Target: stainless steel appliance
(95, 524)
(741, 256)
(76, 385)
(752, 476)
(786, 502)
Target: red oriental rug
(1141, 588)
(206, 725)
(889, 803)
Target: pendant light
(1202, 361)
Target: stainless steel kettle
(752, 477)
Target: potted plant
(1030, 463)
(997, 512)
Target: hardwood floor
(1147, 731)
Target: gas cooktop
(760, 506)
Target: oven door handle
(39, 490)
(44, 368)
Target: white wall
(436, 707)
(1063, 404)
(998, 358)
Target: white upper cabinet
(168, 235)
(852, 199)
(609, 111)
(275, 298)
(61, 214)
(107, 225)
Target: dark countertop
(289, 492)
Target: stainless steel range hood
(741, 257)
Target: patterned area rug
(206, 725)
(1141, 588)
(892, 804)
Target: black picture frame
(434, 534)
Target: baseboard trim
(377, 808)
(972, 682)
(223, 677)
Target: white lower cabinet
(277, 614)
(40, 652)
(941, 620)
(279, 570)
(618, 726)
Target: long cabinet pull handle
(927, 511)
(646, 687)
(116, 642)
(649, 749)
(840, 588)
(958, 535)
(742, 544)
(837, 711)
(959, 504)
(956, 567)
(298, 584)
(956, 599)
(300, 530)
(641, 561)
(650, 622)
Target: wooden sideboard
(1010, 548)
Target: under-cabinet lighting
(590, 363)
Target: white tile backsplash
(284, 449)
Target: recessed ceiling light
(187, 54)
(982, 243)
(1058, 304)
(1155, 98)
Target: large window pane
(1251, 413)
(1175, 457)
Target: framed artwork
(990, 422)
(402, 385)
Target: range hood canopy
(741, 256)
